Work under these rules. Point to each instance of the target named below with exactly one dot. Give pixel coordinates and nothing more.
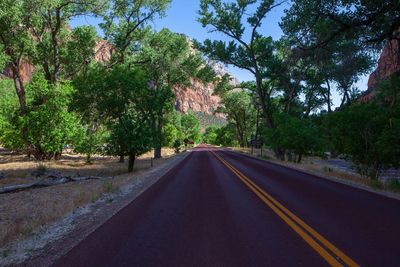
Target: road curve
(220, 208)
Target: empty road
(221, 208)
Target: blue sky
(182, 18)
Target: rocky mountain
(389, 63)
(199, 97)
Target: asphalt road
(220, 208)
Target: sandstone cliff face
(104, 51)
(389, 63)
(198, 97)
(26, 71)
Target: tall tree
(16, 43)
(238, 107)
(49, 24)
(251, 54)
(170, 62)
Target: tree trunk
(121, 158)
(131, 161)
(159, 127)
(56, 47)
(20, 89)
(157, 152)
(88, 158)
(57, 155)
(299, 158)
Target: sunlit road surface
(221, 208)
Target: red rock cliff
(389, 63)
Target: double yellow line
(330, 253)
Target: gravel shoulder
(50, 242)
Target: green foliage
(8, 99)
(177, 146)
(300, 136)
(79, 50)
(226, 136)
(314, 23)
(90, 140)
(125, 24)
(210, 135)
(238, 106)
(191, 127)
(368, 134)
(10, 136)
(51, 125)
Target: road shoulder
(328, 177)
(49, 244)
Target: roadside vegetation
(325, 49)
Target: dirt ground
(22, 213)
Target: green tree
(51, 124)
(170, 62)
(36, 33)
(191, 127)
(125, 24)
(315, 24)
(90, 140)
(120, 99)
(240, 112)
(367, 134)
(226, 136)
(210, 135)
(296, 135)
(254, 54)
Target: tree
(125, 24)
(226, 136)
(51, 124)
(210, 135)
(170, 62)
(121, 100)
(315, 24)
(30, 39)
(297, 135)
(16, 44)
(48, 22)
(253, 55)
(10, 136)
(191, 127)
(90, 140)
(367, 134)
(240, 112)
(131, 133)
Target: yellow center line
(290, 219)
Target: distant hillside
(207, 120)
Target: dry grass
(18, 168)
(24, 212)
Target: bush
(368, 135)
(177, 146)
